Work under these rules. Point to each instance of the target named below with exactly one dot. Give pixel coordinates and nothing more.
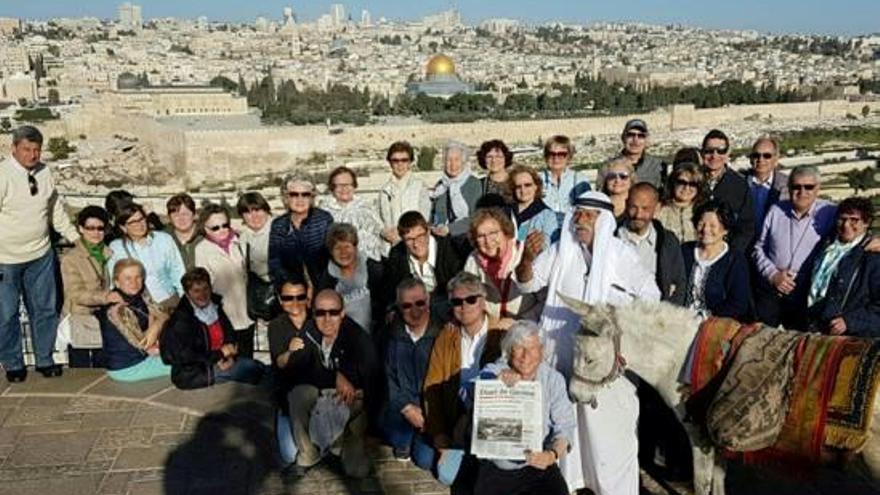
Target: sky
(836, 17)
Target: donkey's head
(596, 349)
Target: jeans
(35, 281)
(243, 371)
(401, 435)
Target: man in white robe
(590, 264)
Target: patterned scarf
(826, 267)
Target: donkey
(653, 340)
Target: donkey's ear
(579, 307)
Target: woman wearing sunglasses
(221, 254)
(87, 283)
(685, 189)
(617, 178)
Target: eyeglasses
(93, 228)
(803, 187)
(715, 151)
(342, 184)
(617, 175)
(527, 185)
(323, 313)
(488, 235)
(635, 135)
(395, 161)
(459, 301)
(851, 220)
(32, 184)
(687, 183)
(293, 297)
(133, 221)
(215, 228)
(294, 194)
(557, 154)
(755, 155)
(419, 304)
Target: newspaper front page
(507, 420)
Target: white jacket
(228, 278)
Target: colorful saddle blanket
(822, 390)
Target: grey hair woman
(456, 194)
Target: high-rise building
(288, 15)
(130, 16)
(366, 18)
(337, 13)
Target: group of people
(381, 316)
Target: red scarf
(496, 268)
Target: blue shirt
(560, 197)
(558, 416)
(161, 260)
(291, 248)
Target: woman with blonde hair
(617, 178)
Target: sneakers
(401, 454)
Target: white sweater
(228, 278)
(25, 219)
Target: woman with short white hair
(456, 194)
(523, 360)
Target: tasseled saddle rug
(767, 394)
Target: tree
(861, 180)
(426, 158)
(60, 148)
(866, 110)
(5, 125)
(53, 96)
(225, 83)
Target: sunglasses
(803, 187)
(321, 313)
(215, 228)
(687, 183)
(617, 175)
(32, 183)
(399, 160)
(419, 304)
(527, 185)
(557, 154)
(293, 297)
(293, 194)
(715, 151)
(459, 301)
(755, 155)
(93, 228)
(635, 135)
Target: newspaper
(507, 420)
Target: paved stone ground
(84, 434)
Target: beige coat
(228, 278)
(85, 282)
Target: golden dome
(440, 64)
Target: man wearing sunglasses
(635, 139)
(30, 206)
(409, 348)
(729, 187)
(767, 183)
(464, 346)
(337, 360)
(786, 249)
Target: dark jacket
(671, 276)
(119, 354)
(185, 345)
(353, 355)
(291, 249)
(451, 255)
(853, 293)
(733, 190)
(406, 364)
(441, 207)
(726, 292)
(378, 293)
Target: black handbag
(261, 301)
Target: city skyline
(846, 17)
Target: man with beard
(658, 249)
(591, 265)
